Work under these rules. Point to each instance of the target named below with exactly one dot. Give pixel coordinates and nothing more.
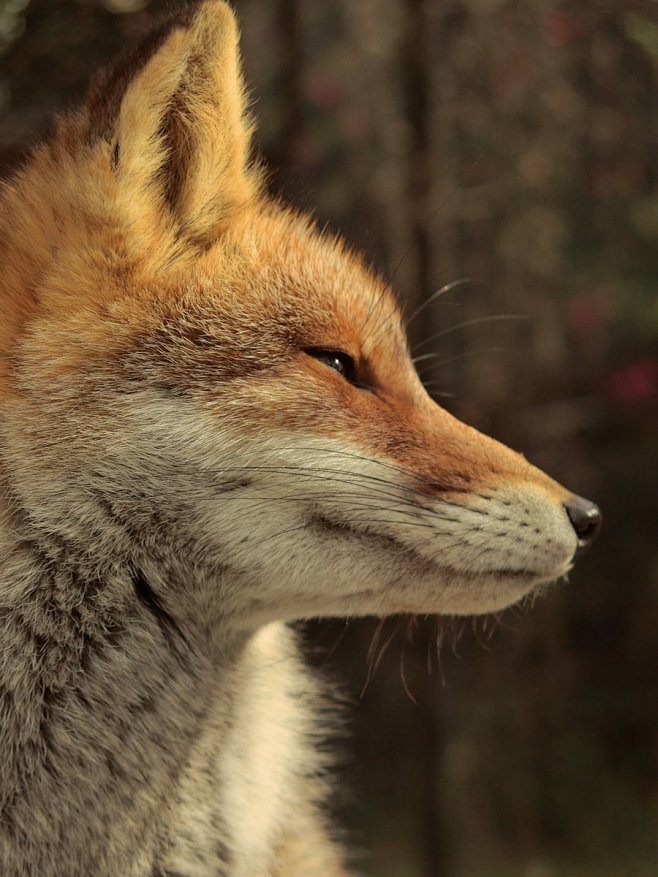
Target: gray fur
(113, 719)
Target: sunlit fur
(180, 473)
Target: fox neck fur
(127, 748)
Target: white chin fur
(459, 595)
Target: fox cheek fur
(210, 424)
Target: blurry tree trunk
(432, 738)
(292, 89)
(416, 76)
(373, 34)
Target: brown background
(508, 145)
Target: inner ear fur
(175, 116)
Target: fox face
(197, 382)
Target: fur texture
(210, 426)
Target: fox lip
(531, 577)
(334, 526)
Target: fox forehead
(273, 281)
(275, 272)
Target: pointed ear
(180, 135)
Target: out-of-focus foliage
(507, 147)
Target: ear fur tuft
(148, 171)
(175, 113)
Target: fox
(210, 427)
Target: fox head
(197, 383)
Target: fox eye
(338, 361)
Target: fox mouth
(327, 525)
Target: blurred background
(503, 152)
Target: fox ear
(179, 135)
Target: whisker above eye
(465, 324)
(443, 290)
(467, 354)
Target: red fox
(210, 426)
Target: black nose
(586, 519)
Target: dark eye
(338, 361)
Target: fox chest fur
(210, 426)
